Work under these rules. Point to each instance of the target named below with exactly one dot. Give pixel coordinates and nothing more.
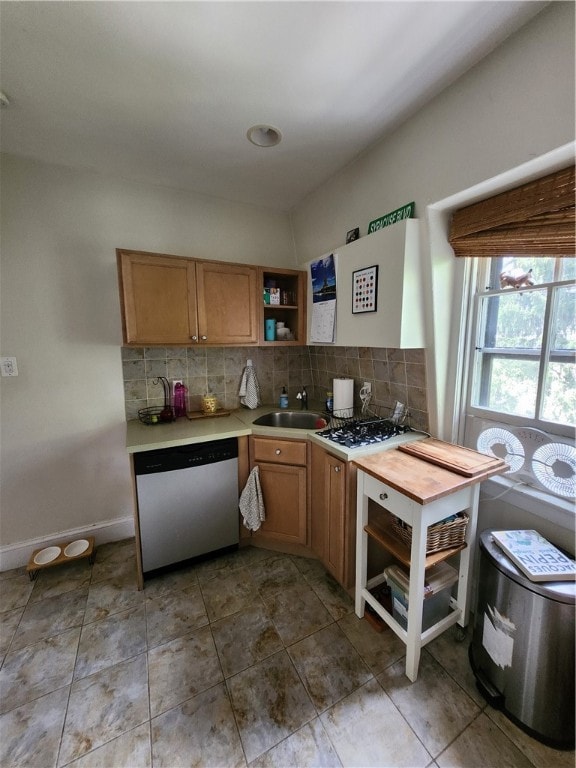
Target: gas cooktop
(361, 432)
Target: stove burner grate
(361, 432)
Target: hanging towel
(252, 502)
(249, 388)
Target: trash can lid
(561, 591)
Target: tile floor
(253, 658)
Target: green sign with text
(406, 212)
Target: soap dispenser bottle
(283, 398)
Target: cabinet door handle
(204, 338)
(277, 451)
(383, 496)
(194, 338)
(336, 469)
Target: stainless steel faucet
(303, 397)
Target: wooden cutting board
(201, 415)
(456, 458)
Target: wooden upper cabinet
(226, 303)
(290, 287)
(179, 301)
(158, 296)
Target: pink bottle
(179, 400)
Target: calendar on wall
(365, 290)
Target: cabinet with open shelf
(284, 300)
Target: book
(536, 557)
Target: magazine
(536, 557)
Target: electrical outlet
(367, 388)
(8, 366)
(399, 413)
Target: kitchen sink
(293, 420)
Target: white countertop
(184, 431)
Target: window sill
(555, 510)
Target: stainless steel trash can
(522, 649)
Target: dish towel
(249, 388)
(252, 502)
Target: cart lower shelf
(427, 635)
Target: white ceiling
(164, 92)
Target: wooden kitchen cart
(420, 494)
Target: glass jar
(209, 403)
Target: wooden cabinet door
(335, 518)
(333, 514)
(318, 506)
(284, 492)
(158, 297)
(226, 303)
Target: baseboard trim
(17, 555)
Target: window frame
(477, 356)
(552, 509)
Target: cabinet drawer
(278, 451)
(390, 499)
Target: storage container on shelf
(437, 593)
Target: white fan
(502, 444)
(554, 466)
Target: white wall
(63, 464)
(518, 103)
(515, 106)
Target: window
(524, 359)
(521, 402)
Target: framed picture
(365, 290)
(352, 234)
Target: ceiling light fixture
(264, 135)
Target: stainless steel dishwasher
(187, 501)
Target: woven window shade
(535, 219)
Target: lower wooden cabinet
(283, 478)
(333, 514)
(310, 501)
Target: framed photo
(365, 290)
(352, 234)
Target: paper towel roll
(343, 391)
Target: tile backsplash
(395, 374)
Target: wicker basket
(443, 535)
